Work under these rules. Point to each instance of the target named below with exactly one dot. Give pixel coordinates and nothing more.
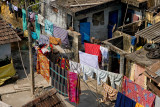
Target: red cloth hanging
(137, 93)
(94, 50)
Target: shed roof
(140, 58)
(153, 69)
(154, 9)
(151, 33)
(48, 99)
(150, 72)
(7, 34)
(133, 2)
(78, 5)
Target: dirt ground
(17, 93)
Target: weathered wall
(5, 50)
(100, 31)
(59, 19)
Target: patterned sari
(73, 87)
(43, 66)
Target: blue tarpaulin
(85, 31)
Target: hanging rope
(22, 62)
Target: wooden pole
(30, 53)
(122, 64)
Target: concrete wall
(100, 31)
(5, 50)
(59, 19)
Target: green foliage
(22, 3)
(35, 7)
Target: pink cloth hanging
(73, 87)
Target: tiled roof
(85, 4)
(7, 34)
(48, 99)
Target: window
(98, 18)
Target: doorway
(113, 20)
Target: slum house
(148, 58)
(7, 36)
(153, 77)
(153, 15)
(134, 10)
(91, 18)
(122, 43)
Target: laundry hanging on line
(63, 63)
(124, 101)
(41, 19)
(48, 27)
(59, 79)
(101, 75)
(75, 67)
(62, 34)
(37, 26)
(93, 49)
(157, 101)
(55, 41)
(73, 86)
(24, 20)
(137, 93)
(109, 93)
(43, 66)
(43, 39)
(88, 59)
(105, 56)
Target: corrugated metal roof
(151, 33)
(48, 99)
(7, 34)
(67, 4)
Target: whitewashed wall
(5, 50)
(100, 31)
(59, 19)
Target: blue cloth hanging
(24, 20)
(34, 35)
(133, 40)
(123, 101)
(37, 26)
(48, 27)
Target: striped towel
(61, 33)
